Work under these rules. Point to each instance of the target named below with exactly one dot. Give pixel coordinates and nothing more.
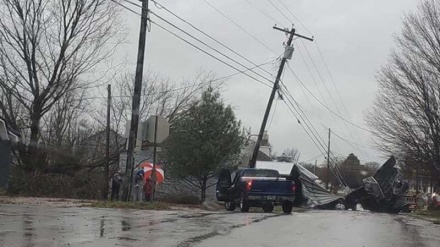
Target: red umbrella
(148, 172)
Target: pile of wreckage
(383, 192)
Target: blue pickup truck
(255, 188)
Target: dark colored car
(255, 188)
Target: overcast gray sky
(355, 38)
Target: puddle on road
(126, 225)
(222, 229)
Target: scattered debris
(383, 192)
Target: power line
(173, 25)
(273, 5)
(328, 91)
(334, 84)
(311, 75)
(313, 131)
(185, 87)
(353, 144)
(262, 12)
(127, 8)
(294, 16)
(362, 160)
(330, 110)
(320, 76)
(304, 119)
(228, 57)
(198, 48)
(209, 54)
(300, 109)
(347, 141)
(314, 158)
(299, 122)
(160, 6)
(240, 27)
(315, 83)
(334, 169)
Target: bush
(83, 184)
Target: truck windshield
(261, 173)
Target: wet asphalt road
(22, 225)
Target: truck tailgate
(271, 187)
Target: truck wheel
(244, 205)
(268, 208)
(287, 207)
(230, 206)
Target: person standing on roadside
(138, 184)
(116, 185)
(148, 189)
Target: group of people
(143, 188)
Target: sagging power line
(204, 43)
(239, 26)
(325, 106)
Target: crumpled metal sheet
(313, 193)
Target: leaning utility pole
(107, 144)
(328, 159)
(287, 55)
(136, 101)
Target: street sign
(163, 129)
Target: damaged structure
(383, 192)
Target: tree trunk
(203, 189)
(34, 159)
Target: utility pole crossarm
(291, 34)
(295, 34)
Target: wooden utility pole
(107, 145)
(328, 159)
(286, 56)
(136, 102)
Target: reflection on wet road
(334, 228)
(34, 226)
(48, 226)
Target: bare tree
(290, 155)
(405, 115)
(46, 49)
(160, 95)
